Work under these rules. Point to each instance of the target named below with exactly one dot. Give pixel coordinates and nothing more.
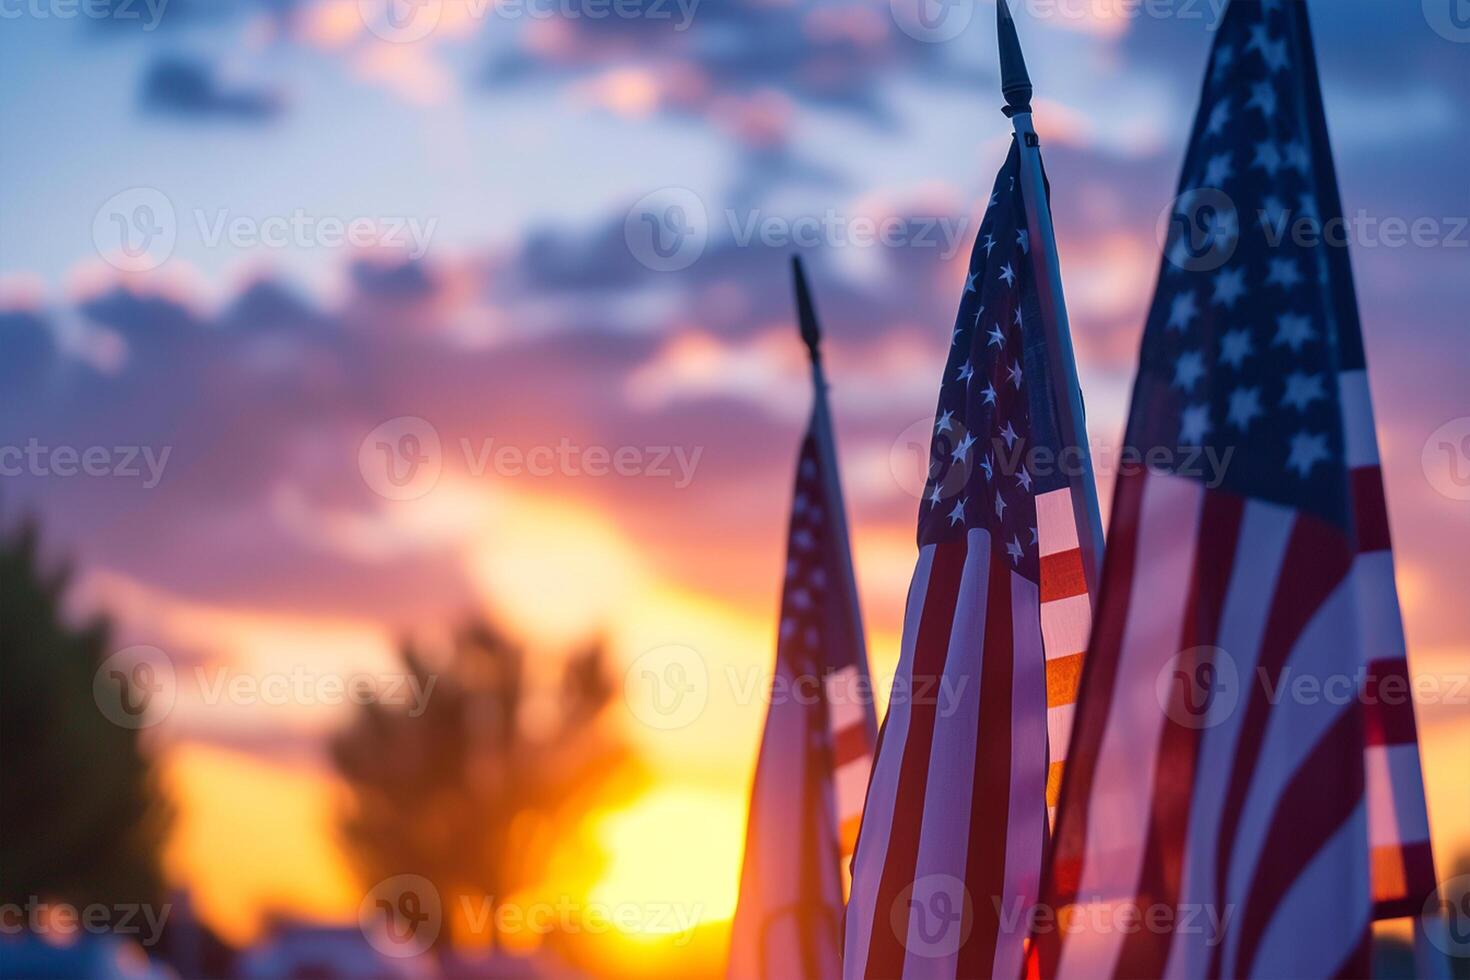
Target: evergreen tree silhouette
(80, 818)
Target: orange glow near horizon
(376, 303)
(256, 836)
(252, 840)
(675, 855)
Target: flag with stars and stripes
(1245, 759)
(949, 855)
(817, 749)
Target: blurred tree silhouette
(80, 818)
(464, 794)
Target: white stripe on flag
(1378, 617)
(776, 865)
(1357, 419)
(1383, 639)
(846, 701)
(1395, 805)
(944, 838)
(1304, 938)
(1024, 827)
(851, 780)
(1056, 523)
(1122, 785)
(1065, 624)
(1264, 532)
(883, 788)
(1059, 723)
(1294, 727)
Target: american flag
(1209, 787)
(950, 852)
(818, 744)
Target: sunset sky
(497, 158)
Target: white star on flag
(1307, 450)
(1293, 331)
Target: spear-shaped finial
(1015, 83)
(806, 313)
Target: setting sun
(476, 475)
(675, 855)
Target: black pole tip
(806, 312)
(1015, 83)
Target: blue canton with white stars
(815, 632)
(995, 444)
(1241, 354)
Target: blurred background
(399, 402)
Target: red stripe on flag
(1099, 677)
(1322, 795)
(1388, 709)
(1416, 863)
(1061, 575)
(931, 647)
(1370, 509)
(849, 744)
(1145, 952)
(1063, 675)
(1315, 563)
(990, 797)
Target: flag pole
(1015, 85)
(811, 334)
